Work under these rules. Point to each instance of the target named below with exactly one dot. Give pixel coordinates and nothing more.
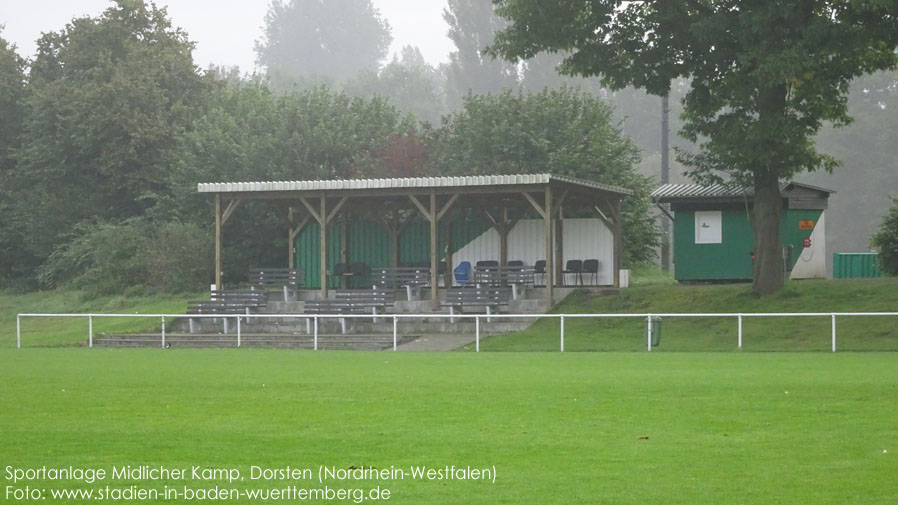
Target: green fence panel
(855, 265)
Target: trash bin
(656, 330)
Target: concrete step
(333, 342)
(298, 327)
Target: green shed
(712, 237)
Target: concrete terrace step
(199, 340)
(262, 326)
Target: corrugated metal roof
(694, 191)
(409, 182)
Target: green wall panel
(731, 259)
(369, 242)
(855, 265)
(308, 252)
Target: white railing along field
(477, 318)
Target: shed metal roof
(402, 183)
(669, 192)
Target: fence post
(238, 330)
(395, 322)
(562, 333)
(834, 332)
(315, 337)
(90, 330)
(18, 331)
(477, 333)
(740, 331)
(648, 337)
(163, 332)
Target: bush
(112, 258)
(886, 240)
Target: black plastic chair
(573, 267)
(539, 268)
(340, 269)
(356, 270)
(516, 264)
(591, 267)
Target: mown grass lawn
(43, 332)
(622, 428)
(721, 334)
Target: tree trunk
(768, 202)
(766, 211)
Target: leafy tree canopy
(311, 39)
(108, 96)
(765, 76)
(561, 131)
(472, 26)
(408, 82)
(12, 102)
(886, 240)
(12, 95)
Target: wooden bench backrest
(251, 298)
(276, 276)
(371, 297)
(478, 296)
(404, 276)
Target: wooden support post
(503, 239)
(447, 277)
(618, 241)
(344, 246)
(394, 239)
(434, 254)
(290, 238)
(218, 241)
(550, 298)
(559, 249)
(322, 223)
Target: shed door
(707, 227)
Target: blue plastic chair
(463, 273)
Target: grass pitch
(567, 428)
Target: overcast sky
(224, 30)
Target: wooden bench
(352, 301)
(288, 279)
(492, 298)
(227, 302)
(511, 275)
(411, 278)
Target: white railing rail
(648, 317)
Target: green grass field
(617, 428)
(651, 292)
(661, 295)
(43, 332)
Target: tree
(108, 98)
(886, 240)
(560, 131)
(314, 39)
(765, 76)
(251, 134)
(867, 146)
(408, 82)
(12, 100)
(472, 26)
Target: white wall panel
(583, 239)
(811, 263)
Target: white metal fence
(648, 317)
